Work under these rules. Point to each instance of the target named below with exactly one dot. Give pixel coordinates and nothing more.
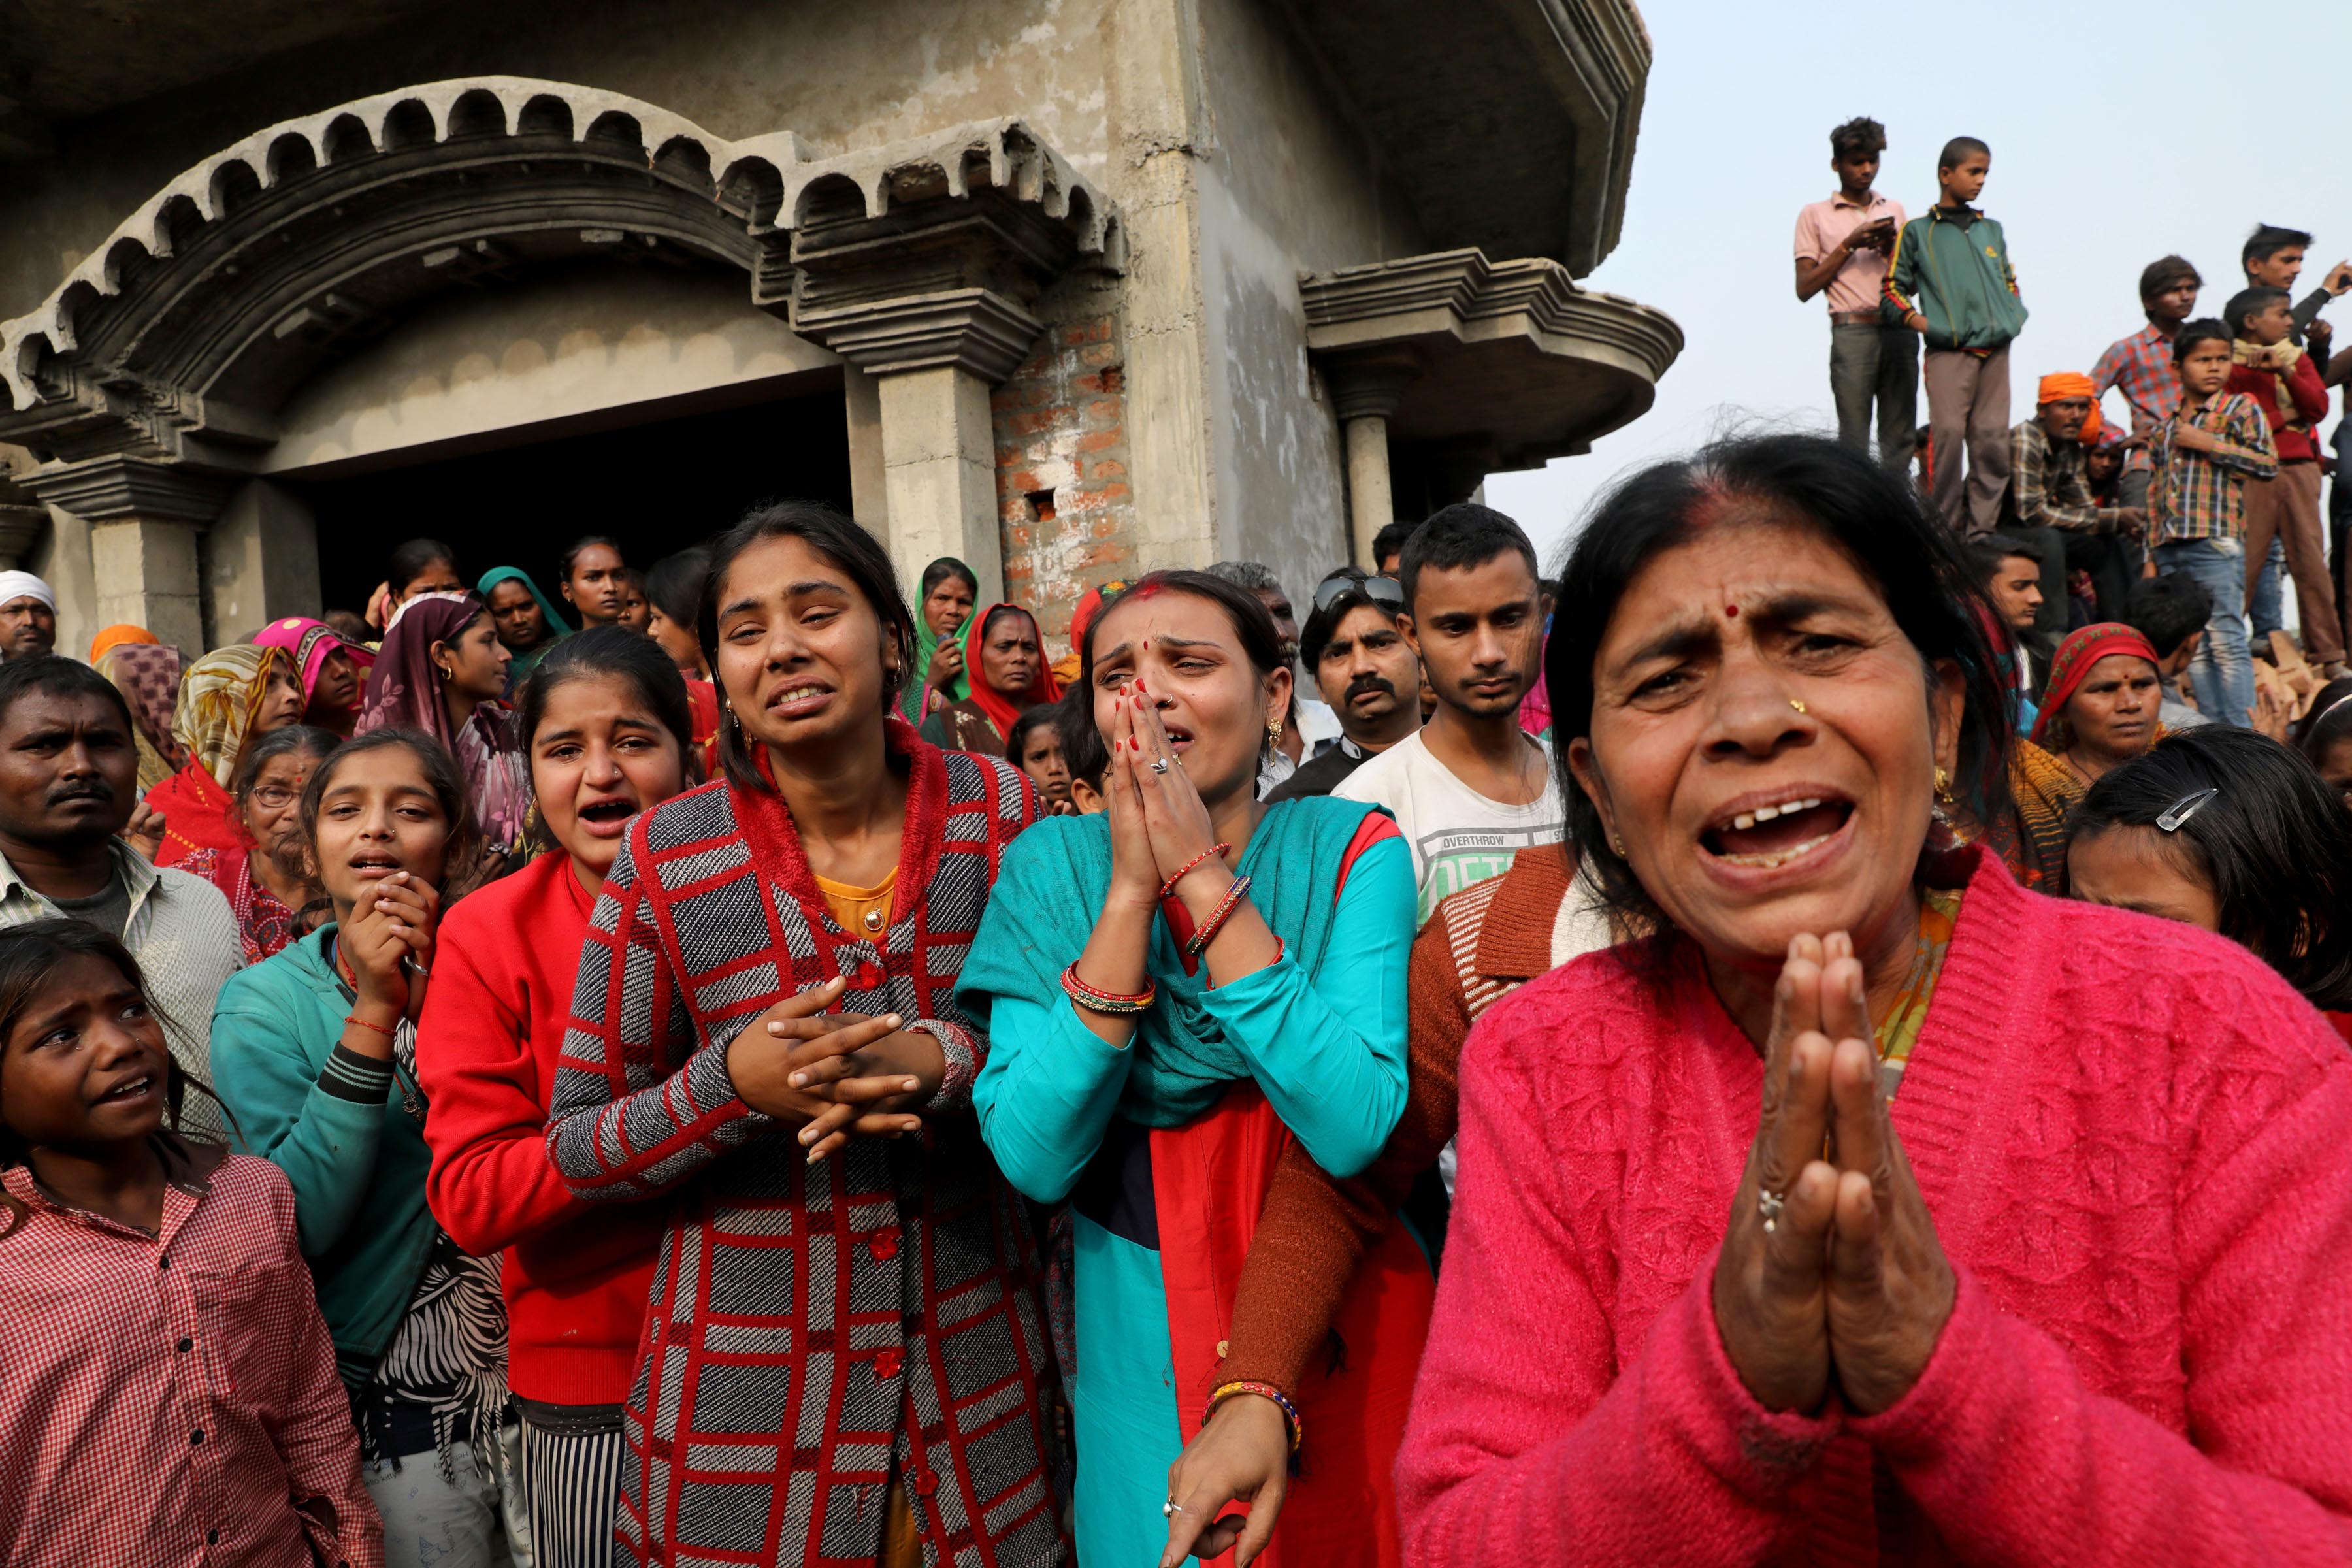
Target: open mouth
(799, 700)
(1179, 739)
(607, 818)
(129, 1090)
(1767, 833)
(374, 867)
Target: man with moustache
(29, 616)
(69, 780)
(1470, 788)
(1366, 671)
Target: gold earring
(1273, 732)
(1617, 845)
(1798, 706)
(1943, 786)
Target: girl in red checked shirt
(605, 723)
(171, 1393)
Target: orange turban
(2066, 384)
(117, 636)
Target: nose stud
(1798, 706)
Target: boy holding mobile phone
(1841, 246)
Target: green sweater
(335, 1123)
(1953, 270)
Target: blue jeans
(2222, 673)
(2266, 604)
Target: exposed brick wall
(1063, 501)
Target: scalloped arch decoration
(759, 181)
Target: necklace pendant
(874, 919)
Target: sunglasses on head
(1385, 592)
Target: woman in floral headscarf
(148, 676)
(331, 668)
(230, 696)
(440, 669)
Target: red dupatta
(1209, 1182)
(197, 814)
(1003, 709)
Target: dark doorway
(654, 488)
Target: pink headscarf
(309, 642)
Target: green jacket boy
(1952, 267)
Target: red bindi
(1732, 611)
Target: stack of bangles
(1110, 1002)
(1201, 939)
(1225, 1391)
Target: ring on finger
(1769, 1205)
(1158, 764)
(1170, 1508)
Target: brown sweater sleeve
(1314, 1230)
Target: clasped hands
(1158, 826)
(834, 1075)
(1849, 1288)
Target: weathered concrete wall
(1290, 185)
(261, 561)
(842, 75)
(469, 365)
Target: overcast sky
(2108, 153)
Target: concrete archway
(147, 385)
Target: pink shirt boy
(1821, 224)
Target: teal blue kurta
(1321, 1030)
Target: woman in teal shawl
(1163, 1123)
(950, 588)
(527, 619)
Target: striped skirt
(570, 1487)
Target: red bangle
(379, 1028)
(1111, 1003)
(1217, 918)
(1169, 886)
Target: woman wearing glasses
(265, 878)
(2229, 831)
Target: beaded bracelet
(1225, 1391)
(1200, 939)
(1109, 1002)
(1169, 886)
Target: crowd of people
(1817, 1031)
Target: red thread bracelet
(379, 1028)
(1169, 886)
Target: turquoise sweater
(334, 1122)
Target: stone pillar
(144, 519)
(260, 562)
(1364, 392)
(935, 356)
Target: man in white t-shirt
(1470, 788)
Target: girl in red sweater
(2070, 1279)
(604, 722)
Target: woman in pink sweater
(1875, 1210)
(606, 724)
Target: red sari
(197, 814)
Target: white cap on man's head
(24, 585)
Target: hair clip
(2181, 810)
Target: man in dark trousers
(1842, 249)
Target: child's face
(2174, 302)
(2205, 366)
(1965, 181)
(85, 1067)
(2272, 324)
(1855, 169)
(379, 815)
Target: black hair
(2275, 846)
(1985, 555)
(2328, 721)
(2203, 329)
(2164, 272)
(2249, 303)
(608, 653)
(29, 954)
(1316, 635)
(841, 542)
(1875, 518)
(586, 541)
(1860, 134)
(55, 677)
(2167, 611)
(1038, 716)
(2267, 240)
(440, 769)
(304, 739)
(1390, 539)
(352, 627)
(1082, 751)
(945, 567)
(675, 584)
(1261, 644)
(1008, 608)
(409, 559)
(1959, 150)
(1458, 537)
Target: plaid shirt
(2048, 486)
(813, 1329)
(2142, 365)
(172, 1398)
(2202, 495)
